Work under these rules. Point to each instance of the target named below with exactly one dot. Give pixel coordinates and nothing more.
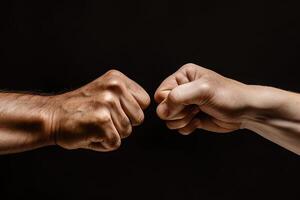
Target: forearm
(275, 115)
(25, 122)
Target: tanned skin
(198, 98)
(96, 116)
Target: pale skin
(198, 98)
(100, 114)
(96, 116)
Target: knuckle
(103, 117)
(160, 95)
(113, 142)
(189, 66)
(109, 99)
(125, 122)
(206, 85)
(157, 96)
(139, 119)
(159, 112)
(115, 84)
(115, 145)
(96, 136)
(113, 72)
(147, 101)
(126, 128)
(126, 132)
(174, 96)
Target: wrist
(262, 102)
(51, 119)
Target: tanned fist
(98, 115)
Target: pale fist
(195, 97)
(98, 115)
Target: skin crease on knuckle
(145, 101)
(187, 130)
(189, 66)
(115, 84)
(109, 99)
(102, 116)
(112, 141)
(113, 72)
(126, 132)
(175, 96)
(139, 119)
(106, 135)
(177, 124)
(96, 124)
(125, 127)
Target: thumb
(195, 92)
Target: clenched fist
(98, 115)
(195, 97)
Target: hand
(99, 114)
(195, 97)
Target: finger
(185, 74)
(226, 125)
(141, 96)
(120, 120)
(132, 109)
(108, 135)
(97, 146)
(205, 124)
(184, 113)
(139, 93)
(169, 84)
(191, 127)
(180, 123)
(112, 139)
(195, 92)
(106, 138)
(170, 109)
(161, 95)
(181, 78)
(167, 109)
(164, 89)
(209, 125)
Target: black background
(54, 46)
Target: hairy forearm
(275, 115)
(24, 122)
